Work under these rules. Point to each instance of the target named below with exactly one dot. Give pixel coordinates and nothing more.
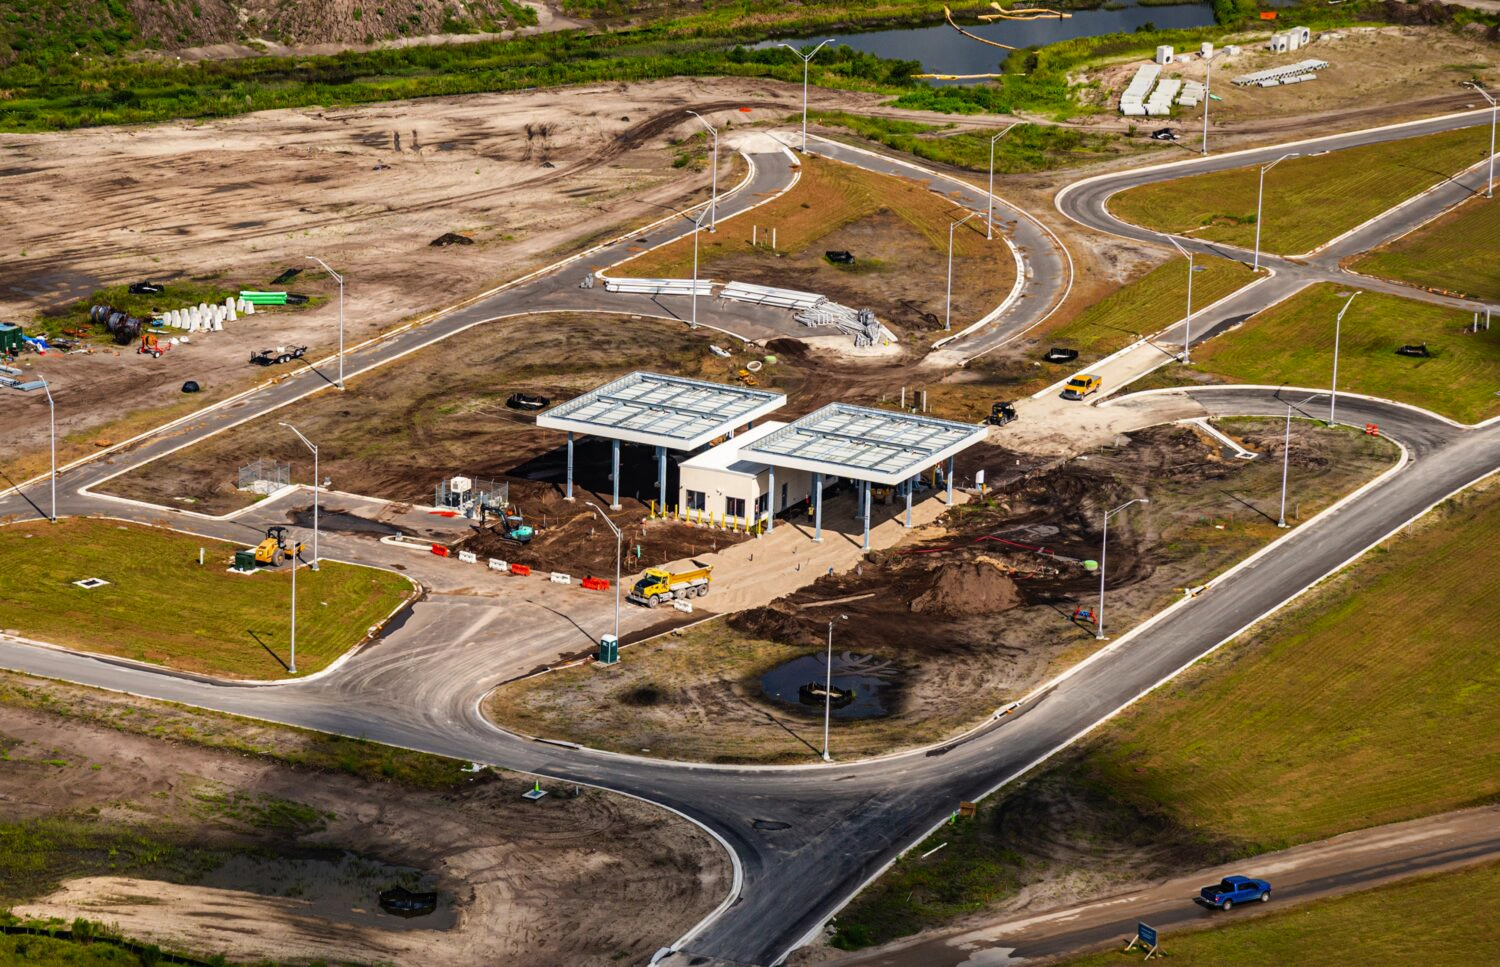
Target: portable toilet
(10, 339)
(1206, 49)
(1164, 54)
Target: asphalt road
(806, 839)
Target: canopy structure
(871, 446)
(667, 412)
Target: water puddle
(863, 685)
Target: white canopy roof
(881, 446)
(669, 411)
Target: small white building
(1164, 54)
(720, 484)
(1206, 48)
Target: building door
(783, 497)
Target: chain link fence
(265, 476)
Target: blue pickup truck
(1235, 889)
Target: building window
(761, 503)
(697, 500)
(734, 507)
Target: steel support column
(661, 478)
(818, 508)
(949, 481)
(615, 473)
(866, 484)
(568, 493)
(910, 484)
(770, 498)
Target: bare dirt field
(529, 177)
(896, 229)
(213, 851)
(1433, 62)
(442, 412)
(969, 614)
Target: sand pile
(968, 587)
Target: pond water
(862, 685)
(943, 50)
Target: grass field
(1345, 188)
(1292, 343)
(1370, 703)
(828, 196)
(1456, 913)
(1455, 252)
(1150, 303)
(161, 607)
(1028, 147)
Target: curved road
(806, 838)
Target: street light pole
(806, 60)
(1489, 189)
(1260, 196)
(1187, 333)
(1104, 558)
(292, 668)
(1333, 396)
(989, 227)
(52, 433)
(340, 279)
(713, 204)
(697, 224)
(1286, 458)
(948, 300)
(1208, 88)
(317, 484)
(619, 546)
(828, 688)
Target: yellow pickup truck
(658, 584)
(1081, 385)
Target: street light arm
(1180, 250)
(336, 277)
(1294, 154)
(605, 517)
(306, 442)
(1006, 130)
(1482, 92)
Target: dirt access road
(530, 177)
(1345, 864)
(217, 851)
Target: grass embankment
(1343, 189)
(1292, 343)
(1371, 701)
(1151, 303)
(161, 607)
(1028, 147)
(178, 294)
(1455, 253)
(828, 196)
(1456, 912)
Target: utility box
(609, 650)
(1206, 48)
(244, 560)
(1164, 54)
(10, 339)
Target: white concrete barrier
(468, 557)
(498, 565)
(686, 607)
(561, 578)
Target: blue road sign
(1145, 934)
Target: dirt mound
(773, 624)
(787, 346)
(967, 587)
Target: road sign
(1146, 937)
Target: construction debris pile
(862, 325)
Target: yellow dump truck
(658, 584)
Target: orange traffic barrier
(439, 550)
(595, 584)
(1372, 429)
(521, 569)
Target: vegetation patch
(1149, 304)
(1454, 253)
(1458, 928)
(1345, 188)
(1291, 344)
(1027, 147)
(160, 606)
